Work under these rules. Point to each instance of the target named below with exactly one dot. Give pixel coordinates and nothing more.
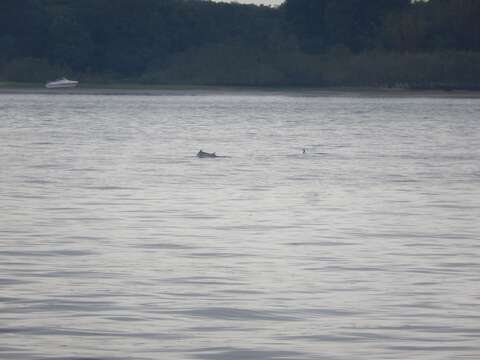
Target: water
(116, 242)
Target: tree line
(433, 43)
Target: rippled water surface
(116, 242)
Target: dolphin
(203, 154)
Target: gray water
(116, 242)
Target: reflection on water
(117, 242)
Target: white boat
(61, 83)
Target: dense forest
(393, 43)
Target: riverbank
(142, 89)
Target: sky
(258, 2)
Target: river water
(117, 242)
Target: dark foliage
(302, 42)
(325, 23)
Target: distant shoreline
(142, 89)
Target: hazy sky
(258, 2)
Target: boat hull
(62, 86)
